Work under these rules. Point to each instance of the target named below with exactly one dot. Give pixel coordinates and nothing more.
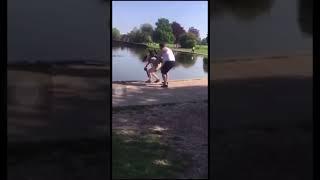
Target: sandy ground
(140, 93)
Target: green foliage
(204, 41)
(115, 34)
(188, 40)
(142, 35)
(177, 30)
(163, 31)
(138, 36)
(147, 29)
(196, 32)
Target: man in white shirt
(168, 61)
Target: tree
(163, 31)
(194, 31)
(134, 35)
(204, 41)
(138, 36)
(188, 40)
(147, 29)
(177, 30)
(115, 34)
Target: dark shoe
(148, 81)
(164, 85)
(158, 80)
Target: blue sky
(129, 14)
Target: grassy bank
(144, 157)
(199, 49)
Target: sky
(129, 14)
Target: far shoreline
(182, 50)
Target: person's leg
(163, 67)
(153, 74)
(149, 76)
(167, 78)
(164, 78)
(165, 73)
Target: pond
(260, 28)
(59, 30)
(127, 65)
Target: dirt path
(179, 115)
(140, 93)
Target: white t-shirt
(167, 55)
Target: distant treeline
(164, 31)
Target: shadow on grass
(145, 157)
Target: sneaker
(158, 80)
(148, 81)
(164, 85)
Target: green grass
(199, 49)
(144, 157)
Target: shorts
(167, 66)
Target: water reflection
(306, 16)
(242, 9)
(261, 28)
(205, 64)
(58, 30)
(185, 60)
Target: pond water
(259, 28)
(127, 64)
(59, 30)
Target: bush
(188, 40)
(115, 34)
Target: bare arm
(159, 55)
(148, 62)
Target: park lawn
(145, 157)
(199, 49)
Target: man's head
(162, 45)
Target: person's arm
(159, 55)
(148, 62)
